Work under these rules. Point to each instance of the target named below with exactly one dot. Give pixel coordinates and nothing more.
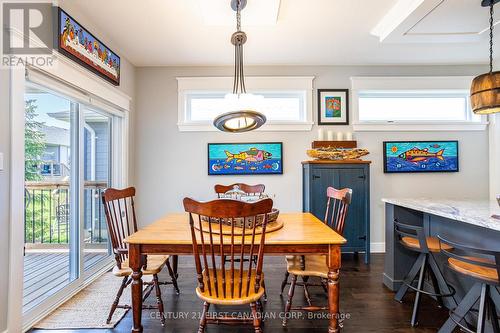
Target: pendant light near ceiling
(242, 116)
(485, 88)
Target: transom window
(393, 106)
(419, 103)
(286, 102)
(276, 106)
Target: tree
(34, 144)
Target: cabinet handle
(362, 177)
(316, 177)
(362, 237)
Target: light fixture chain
(491, 35)
(238, 16)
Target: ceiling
(306, 32)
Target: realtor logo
(28, 33)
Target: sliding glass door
(71, 154)
(97, 147)
(50, 210)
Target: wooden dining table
(301, 234)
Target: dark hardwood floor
(369, 305)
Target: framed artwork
(257, 158)
(333, 106)
(76, 43)
(420, 156)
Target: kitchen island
(465, 221)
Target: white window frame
(446, 84)
(254, 84)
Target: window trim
(254, 84)
(436, 83)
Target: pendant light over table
(243, 116)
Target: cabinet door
(321, 179)
(354, 230)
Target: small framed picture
(333, 106)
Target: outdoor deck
(47, 272)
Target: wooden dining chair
(337, 205)
(251, 190)
(241, 282)
(121, 221)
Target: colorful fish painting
(251, 155)
(245, 158)
(420, 156)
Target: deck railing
(47, 212)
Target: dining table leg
(333, 262)
(135, 263)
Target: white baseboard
(378, 247)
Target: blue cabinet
(318, 175)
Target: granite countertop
(477, 212)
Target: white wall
(171, 164)
(494, 131)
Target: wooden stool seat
(155, 264)
(413, 238)
(210, 294)
(432, 243)
(315, 265)
(482, 266)
(476, 271)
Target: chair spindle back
(256, 190)
(337, 206)
(121, 219)
(227, 248)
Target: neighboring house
(56, 158)
(96, 155)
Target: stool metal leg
(482, 309)
(493, 313)
(416, 305)
(450, 302)
(435, 286)
(462, 309)
(409, 278)
(495, 296)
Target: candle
(330, 135)
(348, 136)
(321, 134)
(340, 136)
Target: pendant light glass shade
(485, 88)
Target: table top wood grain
(299, 229)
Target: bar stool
(482, 266)
(413, 238)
